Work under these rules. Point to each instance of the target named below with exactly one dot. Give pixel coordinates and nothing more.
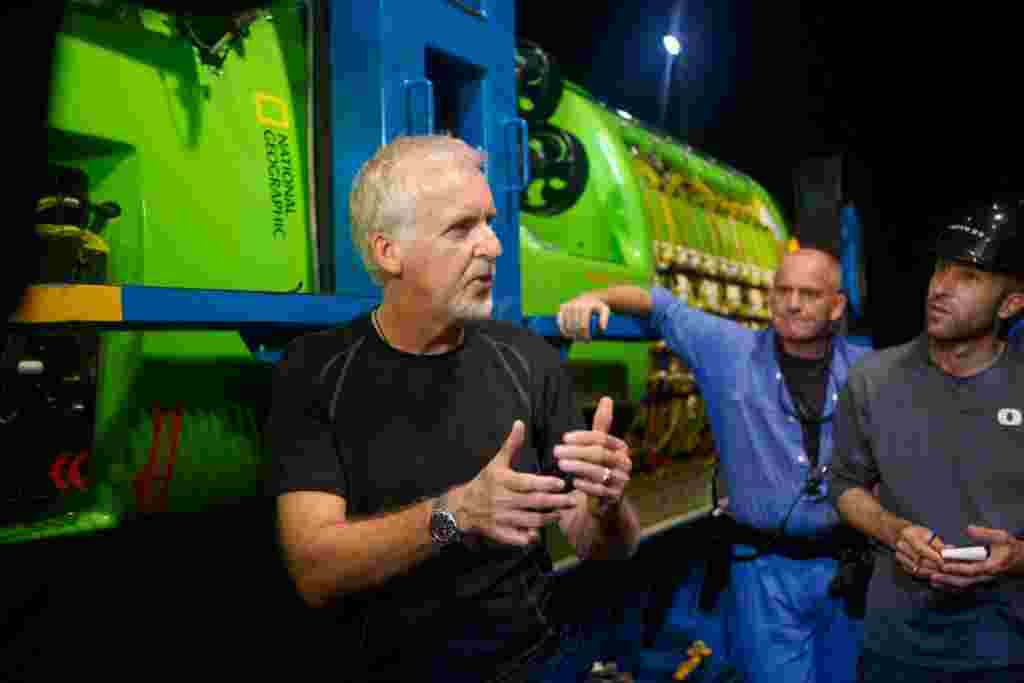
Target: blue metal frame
(266, 321)
(156, 307)
(620, 328)
(852, 256)
(386, 51)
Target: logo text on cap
(1010, 417)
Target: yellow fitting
(697, 652)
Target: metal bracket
(408, 87)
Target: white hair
(388, 187)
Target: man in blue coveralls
(770, 396)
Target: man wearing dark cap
(937, 425)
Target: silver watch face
(443, 527)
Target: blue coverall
(782, 625)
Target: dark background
(921, 101)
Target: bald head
(806, 301)
(817, 264)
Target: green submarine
(188, 165)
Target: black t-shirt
(382, 428)
(807, 381)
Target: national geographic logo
(272, 113)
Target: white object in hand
(30, 367)
(974, 553)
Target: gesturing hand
(507, 506)
(919, 551)
(1006, 556)
(600, 462)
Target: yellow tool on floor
(697, 652)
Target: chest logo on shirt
(1010, 417)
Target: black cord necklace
(376, 326)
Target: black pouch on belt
(718, 536)
(856, 564)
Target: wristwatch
(444, 528)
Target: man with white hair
(422, 450)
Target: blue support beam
(176, 308)
(620, 328)
(264, 320)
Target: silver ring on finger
(607, 476)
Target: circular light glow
(672, 44)
(625, 114)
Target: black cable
(781, 533)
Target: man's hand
(919, 551)
(507, 506)
(600, 462)
(1006, 556)
(574, 316)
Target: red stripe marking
(75, 473)
(144, 478)
(55, 475)
(172, 456)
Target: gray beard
(476, 310)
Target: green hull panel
(627, 210)
(210, 171)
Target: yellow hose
(678, 407)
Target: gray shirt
(946, 452)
